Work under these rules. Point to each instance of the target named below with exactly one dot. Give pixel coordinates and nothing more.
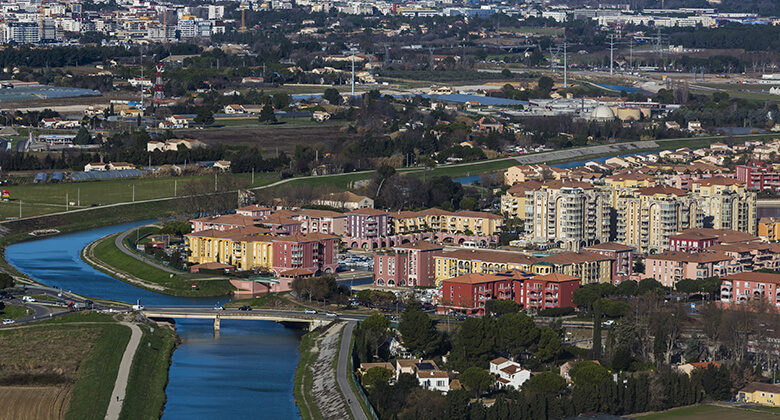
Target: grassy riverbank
(112, 261)
(304, 377)
(64, 368)
(278, 301)
(146, 397)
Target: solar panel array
(122, 173)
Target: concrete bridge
(293, 318)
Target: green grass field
(13, 312)
(710, 412)
(98, 373)
(175, 284)
(267, 301)
(145, 396)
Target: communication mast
(159, 95)
(243, 17)
(40, 20)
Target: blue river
(245, 372)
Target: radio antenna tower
(159, 95)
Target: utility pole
(565, 66)
(134, 193)
(174, 187)
(253, 176)
(611, 53)
(215, 182)
(553, 56)
(78, 197)
(20, 209)
(430, 50)
(66, 201)
(631, 49)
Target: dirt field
(34, 402)
(51, 356)
(709, 412)
(270, 137)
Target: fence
(355, 381)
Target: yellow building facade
(769, 228)
(726, 204)
(438, 220)
(760, 393)
(587, 266)
(244, 248)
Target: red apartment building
(744, 287)
(407, 265)
(468, 293)
(758, 176)
(622, 256)
(315, 252)
(692, 241)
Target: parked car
(332, 314)
(310, 311)
(27, 299)
(245, 308)
(8, 321)
(219, 308)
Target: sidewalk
(120, 386)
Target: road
(342, 372)
(119, 242)
(120, 386)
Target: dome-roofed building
(602, 113)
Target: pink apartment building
(407, 265)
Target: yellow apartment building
(726, 204)
(769, 228)
(437, 220)
(245, 248)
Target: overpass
(298, 318)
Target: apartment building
(726, 204)
(669, 267)
(624, 183)
(468, 293)
(758, 176)
(437, 220)
(222, 222)
(513, 202)
(573, 214)
(315, 253)
(406, 265)
(621, 255)
(648, 217)
(769, 228)
(587, 266)
(748, 286)
(368, 223)
(245, 248)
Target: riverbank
(317, 394)
(104, 256)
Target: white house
(179, 121)
(234, 109)
(434, 380)
(222, 164)
(320, 116)
(509, 373)
(95, 166)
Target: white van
(28, 299)
(469, 244)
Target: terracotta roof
(368, 211)
(566, 183)
(740, 247)
(476, 214)
(704, 364)
(299, 238)
(693, 235)
(758, 386)
(718, 180)
(227, 219)
(610, 246)
(631, 177)
(238, 234)
(556, 277)
(511, 369)
(724, 235)
(253, 207)
(690, 257)
(754, 277)
(432, 374)
(522, 187)
(499, 361)
(662, 190)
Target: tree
(506, 73)
(332, 95)
(622, 359)
(626, 288)
(83, 136)
(585, 296)
(204, 116)
(589, 373)
(418, 331)
(500, 307)
(476, 380)
(545, 383)
(649, 285)
(372, 335)
(6, 281)
(267, 115)
(517, 333)
(375, 375)
(475, 343)
(457, 405)
(549, 345)
(546, 84)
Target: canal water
(245, 372)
